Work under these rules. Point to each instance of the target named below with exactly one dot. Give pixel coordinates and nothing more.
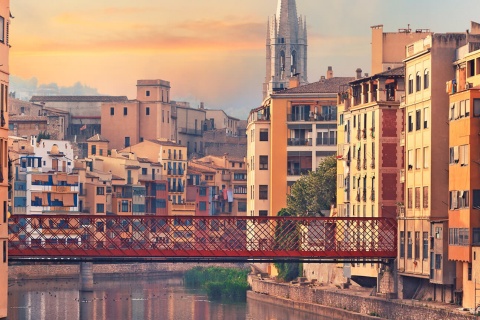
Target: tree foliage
(315, 191)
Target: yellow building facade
(423, 217)
(4, 74)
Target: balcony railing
(150, 177)
(297, 172)
(312, 117)
(326, 141)
(226, 177)
(299, 142)
(359, 166)
(125, 195)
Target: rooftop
(78, 99)
(97, 138)
(332, 85)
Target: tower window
(147, 111)
(147, 93)
(112, 111)
(125, 111)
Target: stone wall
(345, 300)
(72, 270)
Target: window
(252, 135)
(402, 244)
(425, 246)
(410, 121)
(418, 119)
(409, 245)
(454, 155)
(463, 155)
(426, 157)
(127, 142)
(426, 79)
(418, 81)
(263, 213)
(417, 198)
(263, 163)
(125, 111)
(242, 206)
(426, 117)
(124, 206)
(410, 84)
(409, 198)
(4, 251)
(418, 159)
(100, 191)
(410, 159)
(476, 236)
(263, 134)
(202, 205)
(147, 111)
(469, 272)
(263, 192)
(100, 208)
(147, 93)
(425, 197)
(476, 200)
(202, 191)
(2, 29)
(438, 262)
(94, 149)
(240, 189)
(417, 245)
(112, 111)
(467, 108)
(476, 107)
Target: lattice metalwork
(201, 237)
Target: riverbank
(71, 271)
(353, 304)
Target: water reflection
(131, 299)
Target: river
(132, 298)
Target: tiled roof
(332, 85)
(115, 177)
(78, 99)
(164, 143)
(97, 138)
(397, 72)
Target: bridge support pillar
(86, 276)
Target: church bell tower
(286, 48)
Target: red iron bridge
(200, 238)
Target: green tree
(315, 191)
(287, 237)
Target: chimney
(359, 73)
(293, 82)
(202, 106)
(329, 72)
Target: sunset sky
(210, 50)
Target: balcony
(312, 117)
(326, 141)
(359, 165)
(372, 164)
(226, 177)
(150, 177)
(359, 134)
(124, 195)
(364, 195)
(364, 164)
(364, 134)
(299, 142)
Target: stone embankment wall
(72, 270)
(345, 304)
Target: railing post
(86, 276)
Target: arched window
(293, 67)
(282, 60)
(426, 79)
(418, 81)
(410, 84)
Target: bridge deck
(201, 238)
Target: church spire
(286, 48)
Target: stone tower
(286, 48)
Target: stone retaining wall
(346, 300)
(72, 270)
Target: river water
(132, 298)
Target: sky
(210, 50)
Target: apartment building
(288, 136)
(189, 127)
(423, 262)
(4, 74)
(149, 116)
(225, 181)
(370, 156)
(463, 173)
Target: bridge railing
(201, 237)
